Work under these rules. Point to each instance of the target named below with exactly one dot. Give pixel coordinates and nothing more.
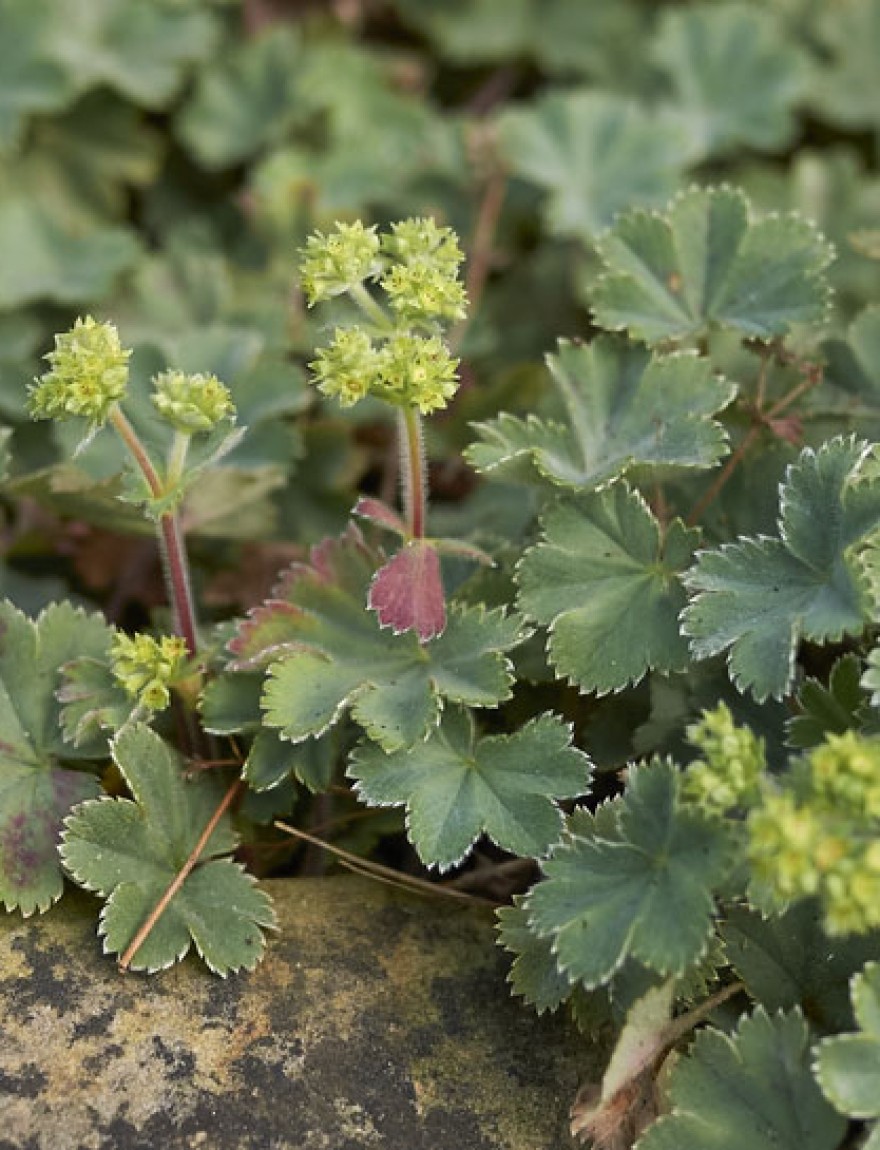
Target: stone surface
(377, 1020)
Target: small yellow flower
(147, 667)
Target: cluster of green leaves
(665, 689)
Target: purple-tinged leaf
(407, 593)
(35, 794)
(381, 514)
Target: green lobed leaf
(788, 960)
(606, 583)
(130, 850)
(704, 263)
(44, 259)
(735, 74)
(623, 408)
(848, 1065)
(93, 700)
(328, 654)
(645, 892)
(751, 1088)
(142, 51)
(760, 597)
(35, 791)
(246, 101)
(595, 154)
(456, 787)
(31, 81)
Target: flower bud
(191, 403)
(147, 667)
(336, 262)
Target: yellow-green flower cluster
(348, 367)
(729, 772)
(423, 285)
(89, 374)
(398, 353)
(147, 667)
(821, 835)
(191, 403)
(337, 262)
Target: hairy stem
(171, 543)
(180, 878)
(413, 472)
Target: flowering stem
(413, 471)
(171, 544)
(371, 309)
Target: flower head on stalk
(88, 374)
(191, 403)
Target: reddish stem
(413, 471)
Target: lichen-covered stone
(378, 1020)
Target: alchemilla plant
(605, 626)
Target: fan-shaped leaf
(752, 1088)
(735, 73)
(703, 263)
(846, 89)
(647, 892)
(129, 852)
(623, 408)
(759, 597)
(606, 583)
(31, 81)
(456, 787)
(595, 154)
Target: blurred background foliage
(161, 162)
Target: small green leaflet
(839, 707)
(329, 654)
(606, 583)
(643, 890)
(92, 698)
(456, 786)
(596, 154)
(35, 792)
(848, 1065)
(129, 852)
(704, 263)
(752, 1089)
(623, 408)
(760, 597)
(735, 72)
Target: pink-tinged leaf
(381, 514)
(285, 621)
(407, 593)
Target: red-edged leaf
(407, 593)
(381, 514)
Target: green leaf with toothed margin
(328, 654)
(847, 1066)
(758, 598)
(36, 790)
(705, 263)
(605, 580)
(750, 1088)
(129, 851)
(456, 787)
(645, 892)
(595, 154)
(624, 408)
